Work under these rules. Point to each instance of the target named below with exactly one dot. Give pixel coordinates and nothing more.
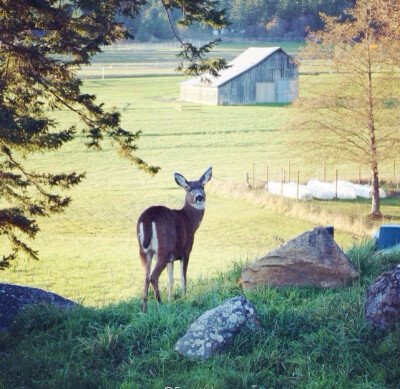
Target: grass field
(309, 338)
(89, 253)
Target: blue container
(389, 235)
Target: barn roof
(243, 62)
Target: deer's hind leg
(161, 264)
(146, 259)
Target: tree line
(248, 18)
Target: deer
(168, 235)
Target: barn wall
(199, 94)
(242, 89)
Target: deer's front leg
(184, 265)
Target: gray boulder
(215, 328)
(14, 299)
(312, 258)
(382, 305)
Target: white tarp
(323, 190)
(289, 190)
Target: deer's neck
(194, 215)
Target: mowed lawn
(90, 254)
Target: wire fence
(103, 72)
(260, 178)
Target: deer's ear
(206, 176)
(180, 180)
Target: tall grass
(310, 338)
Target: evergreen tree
(42, 43)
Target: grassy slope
(310, 338)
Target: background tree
(255, 18)
(42, 44)
(354, 113)
(152, 24)
(388, 12)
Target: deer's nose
(199, 199)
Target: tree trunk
(375, 204)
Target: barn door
(283, 90)
(265, 92)
(287, 90)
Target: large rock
(312, 258)
(14, 299)
(216, 328)
(382, 305)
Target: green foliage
(41, 44)
(195, 59)
(205, 65)
(251, 18)
(153, 24)
(310, 338)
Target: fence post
(336, 180)
(102, 73)
(289, 171)
(246, 179)
(253, 179)
(298, 185)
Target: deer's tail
(145, 234)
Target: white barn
(258, 75)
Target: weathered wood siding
(242, 89)
(199, 94)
